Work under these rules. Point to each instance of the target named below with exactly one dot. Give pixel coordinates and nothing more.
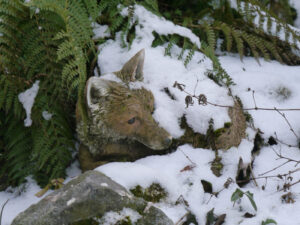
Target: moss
(90, 221)
(125, 221)
(137, 191)
(154, 193)
(239, 101)
(197, 140)
(248, 117)
(217, 166)
(227, 125)
(217, 133)
(93, 221)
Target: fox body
(119, 123)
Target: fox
(114, 122)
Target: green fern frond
(239, 42)
(211, 37)
(17, 151)
(52, 142)
(190, 56)
(228, 35)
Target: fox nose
(168, 141)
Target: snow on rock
(113, 217)
(71, 201)
(27, 99)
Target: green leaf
(238, 194)
(210, 218)
(268, 221)
(250, 197)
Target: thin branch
(252, 174)
(289, 185)
(291, 128)
(2, 210)
(284, 157)
(254, 99)
(274, 168)
(271, 176)
(181, 87)
(180, 221)
(188, 157)
(196, 87)
(289, 145)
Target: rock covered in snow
(88, 197)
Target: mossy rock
(91, 195)
(234, 132)
(224, 138)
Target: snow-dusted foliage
(266, 163)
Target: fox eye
(131, 121)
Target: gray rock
(88, 196)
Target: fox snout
(154, 137)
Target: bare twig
(287, 186)
(273, 168)
(254, 99)
(291, 128)
(284, 157)
(180, 221)
(2, 210)
(289, 145)
(271, 176)
(252, 174)
(196, 87)
(181, 87)
(188, 157)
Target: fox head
(118, 112)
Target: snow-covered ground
(275, 85)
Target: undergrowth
(53, 41)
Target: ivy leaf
(207, 186)
(238, 194)
(268, 221)
(250, 197)
(210, 218)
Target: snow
(148, 22)
(71, 201)
(161, 72)
(274, 85)
(100, 31)
(111, 218)
(24, 196)
(275, 22)
(27, 99)
(271, 85)
(46, 115)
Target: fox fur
(119, 123)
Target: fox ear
(133, 69)
(96, 88)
